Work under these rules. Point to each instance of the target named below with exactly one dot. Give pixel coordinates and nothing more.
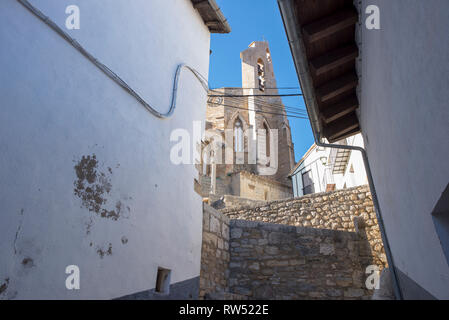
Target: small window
(163, 280)
(268, 55)
(307, 183)
(351, 168)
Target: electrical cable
(203, 81)
(111, 74)
(271, 108)
(257, 95)
(259, 101)
(263, 102)
(266, 105)
(280, 88)
(258, 111)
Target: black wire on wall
(111, 74)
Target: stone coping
(214, 212)
(289, 200)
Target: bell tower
(275, 156)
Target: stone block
(272, 250)
(236, 233)
(225, 230)
(295, 262)
(254, 266)
(327, 249)
(214, 225)
(354, 293)
(276, 263)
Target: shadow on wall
(269, 261)
(255, 260)
(244, 256)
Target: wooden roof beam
(338, 110)
(347, 134)
(336, 87)
(333, 59)
(329, 25)
(339, 128)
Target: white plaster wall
(56, 107)
(358, 177)
(313, 163)
(405, 121)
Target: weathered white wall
(405, 121)
(358, 177)
(56, 107)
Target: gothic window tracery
(238, 136)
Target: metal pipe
(296, 43)
(396, 286)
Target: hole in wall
(163, 280)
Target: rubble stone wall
(272, 261)
(314, 247)
(346, 210)
(214, 253)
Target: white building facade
(85, 170)
(325, 169)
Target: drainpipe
(296, 44)
(397, 288)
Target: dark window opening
(307, 183)
(261, 74)
(267, 140)
(163, 280)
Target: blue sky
(255, 20)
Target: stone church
(247, 152)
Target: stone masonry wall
(214, 253)
(314, 247)
(271, 261)
(261, 188)
(346, 210)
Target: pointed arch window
(267, 140)
(238, 136)
(206, 162)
